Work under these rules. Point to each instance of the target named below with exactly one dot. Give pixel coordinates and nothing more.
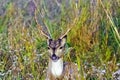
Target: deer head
(56, 48)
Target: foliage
(93, 42)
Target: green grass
(93, 42)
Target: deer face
(56, 48)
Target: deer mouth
(54, 57)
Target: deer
(57, 68)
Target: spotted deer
(57, 68)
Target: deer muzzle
(54, 57)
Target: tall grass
(93, 42)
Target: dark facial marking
(54, 43)
(54, 57)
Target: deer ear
(49, 41)
(64, 38)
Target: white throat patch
(57, 68)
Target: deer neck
(56, 67)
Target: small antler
(65, 33)
(44, 29)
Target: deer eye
(48, 47)
(61, 47)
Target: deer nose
(54, 57)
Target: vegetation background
(93, 42)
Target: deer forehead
(54, 43)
